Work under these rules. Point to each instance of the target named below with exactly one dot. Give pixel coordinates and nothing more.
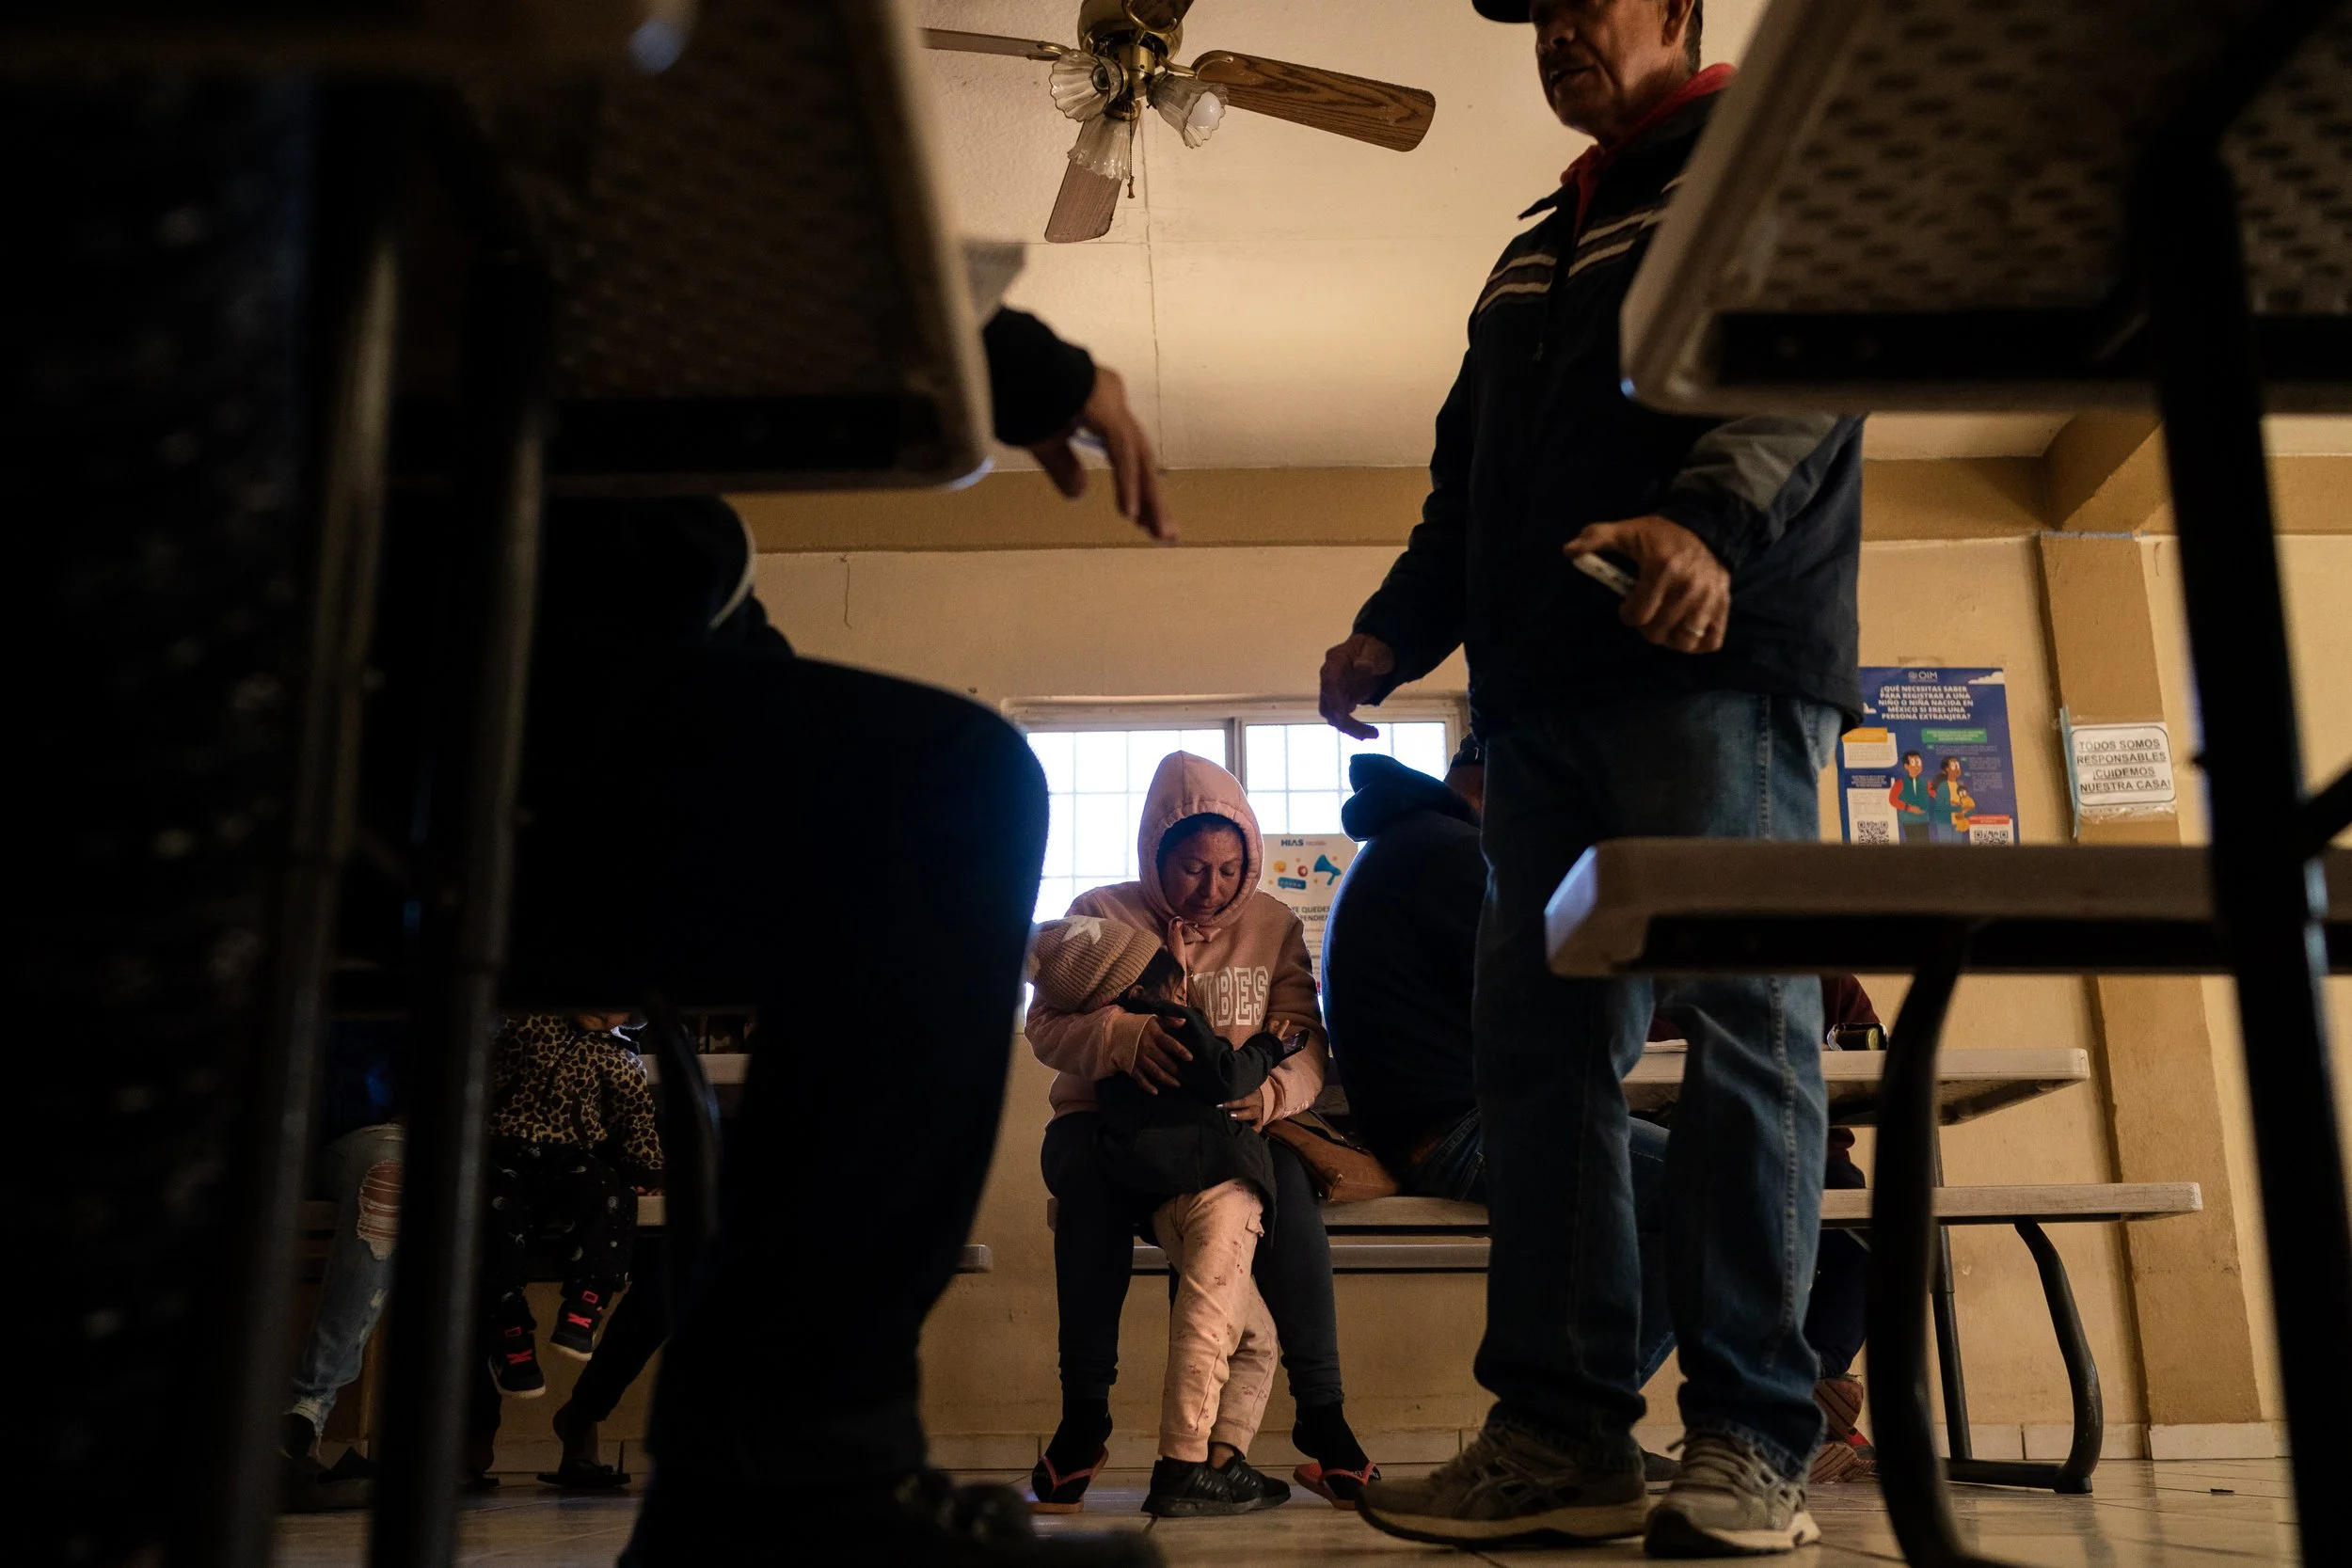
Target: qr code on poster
(1866, 831)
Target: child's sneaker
(575, 1322)
(515, 1364)
(1182, 1489)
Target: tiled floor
(2177, 1514)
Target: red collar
(1584, 174)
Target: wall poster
(1931, 761)
(1303, 870)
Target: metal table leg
(477, 757)
(1959, 1442)
(363, 146)
(2267, 891)
(1904, 1235)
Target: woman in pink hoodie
(1245, 959)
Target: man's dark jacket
(1397, 954)
(1538, 440)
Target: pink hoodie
(1246, 962)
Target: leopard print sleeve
(631, 1114)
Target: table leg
(363, 148)
(2268, 894)
(480, 688)
(1902, 1237)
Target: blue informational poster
(1931, 761)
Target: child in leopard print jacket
(572, 1143)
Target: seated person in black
(1398, 956)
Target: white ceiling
(1286, 299)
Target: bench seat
(1435, 1235)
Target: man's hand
(1134, 470)
(1254, 1109)
(1158, 1055)
(1352, 673)
(1683, 599)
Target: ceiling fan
(1125, 61)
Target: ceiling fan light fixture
(1107, 146)
(1084, 85)
(1189, 105)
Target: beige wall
(1232, 621)
(2318, 575)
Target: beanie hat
(1084, 962)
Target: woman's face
(1203, 872)
(1951, 768)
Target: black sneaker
(575, 1322)
(1182, 1489)
(515, 1364)
(1254, 1485)
(1508, 1486)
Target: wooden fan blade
(1381, 113)
(1084, 209)
(993, 44)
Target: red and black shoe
(1051, 1492)
(576, 1323)
(515, 1364)
(1340, 1488)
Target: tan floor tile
(2141, 1515)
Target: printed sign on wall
(1303, 870)
(2120, 770)
(1931, 762)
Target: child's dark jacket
(1183, 1140)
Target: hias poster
(1303, 870)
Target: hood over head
(1387, 790)
(1187, 785)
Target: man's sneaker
(515, 1364)
(1183, 1489)
(1506, 1486)
(1728, 1501)
(575, 1322)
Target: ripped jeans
(360, 1171)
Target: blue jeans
(358, 1262)
(1562, 1353)
(1456, 1167)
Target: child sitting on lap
(572, 1143)
(1215, 1175)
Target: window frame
(1231, 714)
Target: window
(1099, 762)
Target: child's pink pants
(1220, 1341)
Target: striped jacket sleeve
(1746, 478)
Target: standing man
(1705, 704)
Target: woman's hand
(1159, 1056)
(1256, 1109)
